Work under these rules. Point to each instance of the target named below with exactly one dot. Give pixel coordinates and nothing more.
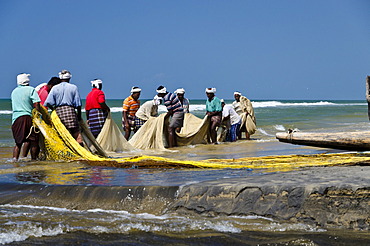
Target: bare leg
(213, 132)
(127, 132)
(16, 151)
(171, 137)
(35, 150)
(25, 149)
(77, 135)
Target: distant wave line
(264, 104)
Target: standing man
(96, 108)
(232, 119)
(147, 110)
(130, 106)
(244, 109)
(65, 99)
(24, 99)
(175, 111)
(214, 112)
(180, 93)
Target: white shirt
(147, 110)
(228, 110)
(236, 106)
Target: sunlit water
(32, 224)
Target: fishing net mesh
(60, 145)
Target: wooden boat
(358, 141)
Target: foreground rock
(330, 197)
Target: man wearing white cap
(96, 108)
(65, 99)
(147, 110)
(244, 108)
(232, 120)
(175, 111)
(214, 112)
(180, 93)
(130, 106)
(24, 99)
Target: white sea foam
(279, 127)
(22, 232)
(264, 132)
(5, 112)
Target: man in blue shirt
(24, 99)
(65, 99)
(175, 111)
(214, 112)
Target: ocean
(34, 221)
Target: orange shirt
(131, 106)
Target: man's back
(23, 98)
(64, 94)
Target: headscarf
(180, 91)
(23, 79)
(157, 100)
(163, 90)
(237, 93)
(211, 90)
(96, 82)
(135, 89)
(65, 74)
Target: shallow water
(73, 203)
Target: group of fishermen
(63, 97)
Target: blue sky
(288, 49)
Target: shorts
(177, 120)
(216, 120)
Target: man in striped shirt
(130, 106)
(175, 111)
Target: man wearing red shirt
(96, 108)
(44, 89)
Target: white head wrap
(96, 82)
(163, 90)
(65, 74)
(211, 90)
(157, 100)
(23, 79)
(180, 91)
(222, 100)
(37, 88)
(133, 89)
(237, 93)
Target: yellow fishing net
(60, 145)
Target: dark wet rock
(331, 197)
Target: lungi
(131, 122)
(68, 116)
(96, 120)
(177, 120)
(139, 122)
(21, 129)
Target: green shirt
(213, 105)
(23, 97)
